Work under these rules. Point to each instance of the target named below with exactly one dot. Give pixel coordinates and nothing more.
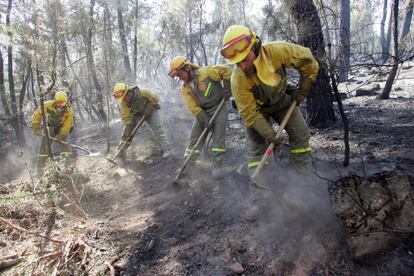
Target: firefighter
(59, 120)
(203, 89)
(259, 83)
(133, 103)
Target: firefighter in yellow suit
(133, 103)
(202, 91)
(259, 83)
(59, 120)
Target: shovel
(243, 171)
(202, 136)
(124, 143)
(90, 152)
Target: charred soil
(133, 220)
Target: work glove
(36, 130)
(226, 89)
(301, 93)
(127, 131)
(203, 118)
(266, 131)
(149, 108)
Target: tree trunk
(382, 34)
(345, 44)
(406, 27)
(319, 102)
(135, 39)
(3, 89)
(190, 45)
(122, 38)
(23, 91)
(407, 19)
(386, 42)
(15, 115)
(388, 85)
(91, 64)
(331, 64)
(108, 50)
(32, 83)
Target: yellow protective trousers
(154, 121)
(296, 128)
(64, 150)
(218, 131)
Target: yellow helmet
(237, 42)
(61, 98)
(120, 90)
(177, 63)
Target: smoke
(297, 223)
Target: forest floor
(132, 221)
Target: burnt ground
(142, 225)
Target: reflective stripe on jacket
(267, 86)
(207, 90)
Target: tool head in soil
(94, 152)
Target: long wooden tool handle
(132, 134)
(270, 148)
(69, 144)
(205, 131)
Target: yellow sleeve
(190, 101)
(125, 113)
(149, 95)
(294, 56)
(37, 115)
(246, 103)
(67, 124)
(220, 72)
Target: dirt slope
(139, 223)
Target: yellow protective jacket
(265, 87)
(205, 90)
(60, 121)
(141, 97)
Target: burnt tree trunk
(13, 102)
(3, 89)
(23, 91)
(135, 39)
(406, 27)
(319, 102)
(91, 64)
(388, 85)
(32, 87)
(382, 32)
(331, 64)
(123, 40)
(345, 44)
(407, 19)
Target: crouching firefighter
(59, 122)
(202, 92)
(135, 102)
(259, 83)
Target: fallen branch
(27, 231)
(10, 262)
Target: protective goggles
(118, 94)
(60, 103)
(235, 46)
